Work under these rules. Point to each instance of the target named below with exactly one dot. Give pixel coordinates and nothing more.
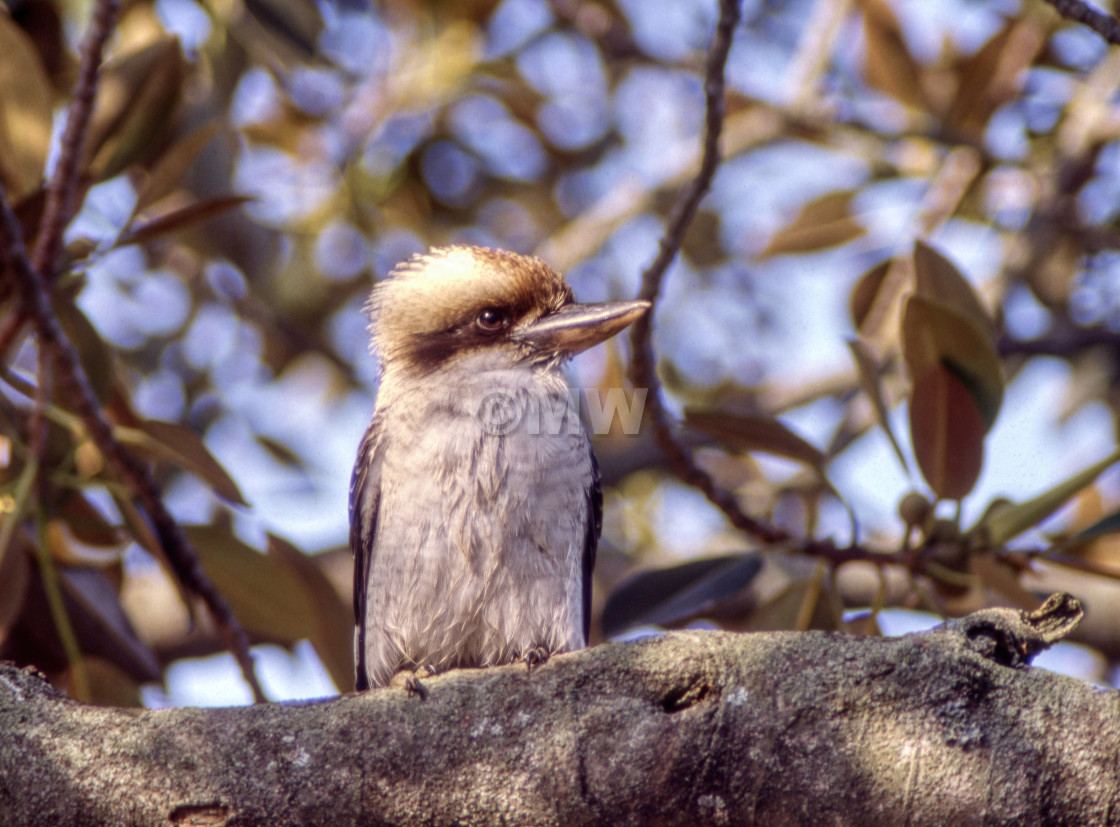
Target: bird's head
(505, 309)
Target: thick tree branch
(946, 727)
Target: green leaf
(25, 111)
(1006, 523)
(947, 432)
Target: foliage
(250, 167)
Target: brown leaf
(947, 431)
(869, 380)
(15, 574)
(171, 164)
(887, 61)
(135, 99)
(993, 75)
(935, 334)
(865, 295)
(746, 433)
(938, 279)
(184, 217)
(265, 595)
(25, 111)
(183, 447)
(332, 632)
(823, 222)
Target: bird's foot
(535, 657)
(410, 681)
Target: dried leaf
(183, 447)
(1006, 523)
(947, 432)
(823, 222)
(295, 23)
(869, 381)
(742, 432)
(936, 335)
(184, 217)
(25, 111)
(333, 629)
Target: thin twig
(60, 191)
(73, 382)
(642, 370)
(1103, 24)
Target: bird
(475, 500)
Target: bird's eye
(492, 319)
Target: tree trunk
(945, 727)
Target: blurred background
(254, 166)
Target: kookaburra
(475, 503)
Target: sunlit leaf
(869, 381)
(823, 222)
(333, 629)
(865, 295)
(947, 432)
(993, 74)
(887, 61)
(25, 111)
(742, 432)
(936, 335)
(1006, 523)
(1104, 526)
(183, 447)
(184, 217)
(937, 279)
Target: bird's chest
(496, 477)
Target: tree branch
(643, 372)
(690, 728)
(71, 379)
(1103, 24)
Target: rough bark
(946, 727)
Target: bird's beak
(576, 327)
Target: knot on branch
(1013, 637)
(18, 685)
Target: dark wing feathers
(365, 499)
(591, 541)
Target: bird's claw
(410, 681)
(535, 657)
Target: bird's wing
(591, 540)
(365, 499)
